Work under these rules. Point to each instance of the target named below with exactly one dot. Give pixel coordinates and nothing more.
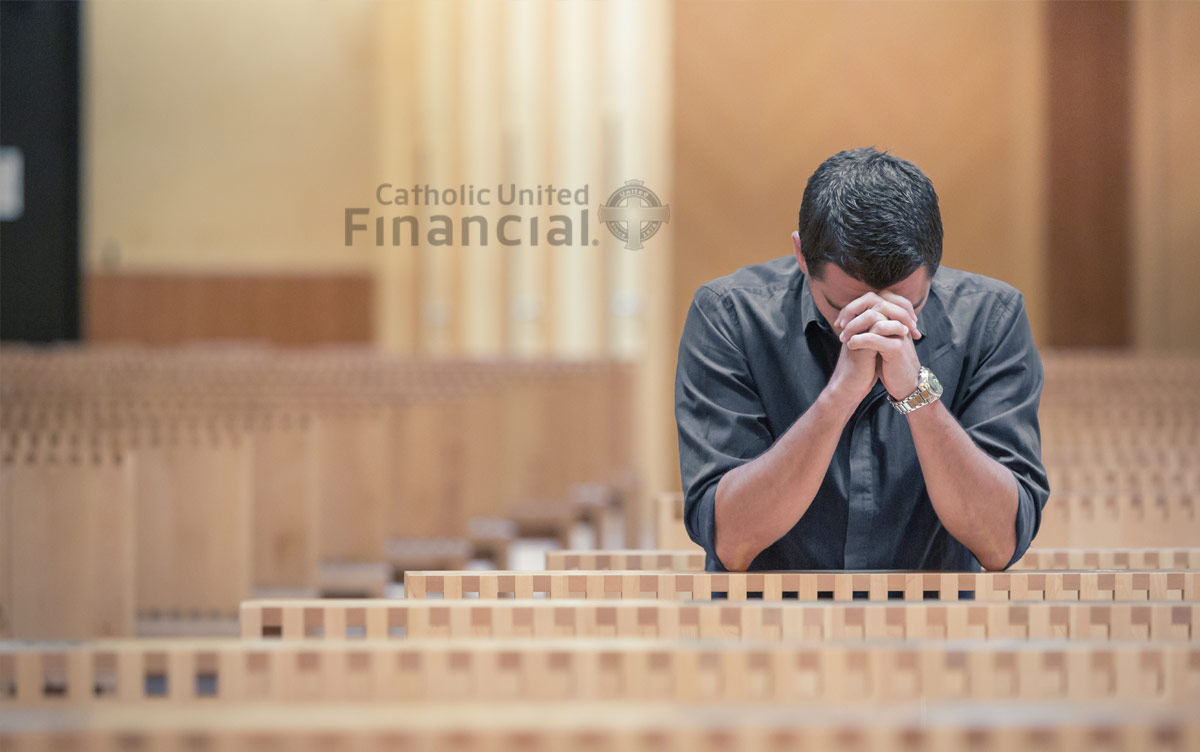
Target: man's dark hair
(874, 215)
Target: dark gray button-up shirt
(755, 354)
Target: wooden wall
(1088, 288)
(1059, 137)
(283, 308)
(765, 91)
(1165, 173)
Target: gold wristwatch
(929, 390)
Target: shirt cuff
(1028, 520)
(701, 522)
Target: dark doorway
(39, 129)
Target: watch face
(935, 386)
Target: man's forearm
(758, 502)
(974, 496)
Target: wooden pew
(1110, 558)
(67, 539)
(194, 515)
(170, 672)
(317, 620)
(610, 726)
(1111, 520)
(679, 560)
(1034, 559)
(397, 464)
(285, 527)
(841, 586)
(670, 532)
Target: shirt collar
(934, 322)
(809, 314)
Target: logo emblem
(633, 214)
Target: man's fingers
(874, 302)
(896, 313)
(861, 323)
(889, 328)
(899, 300)
(857, 306)
(877, 342)
(904, 303)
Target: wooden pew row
(1114, 520)
(168, 672)
(1034, 559)
(609, 727)
(536, 406)
(340, 484)
(1110, 558)
(641, 560)
(810, 586)
(318, 488)
(176, 532)
(318, 620)
(670, 532)
(67, 543)
(1181, 476)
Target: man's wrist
(837, 402)
(912, 387)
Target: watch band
(927, 392)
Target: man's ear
(799, 255)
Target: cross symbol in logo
(633, 214)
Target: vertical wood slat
(1089, 120)
(69, 551)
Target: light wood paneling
(161, 309)
(1089, 259)
(1166, 175)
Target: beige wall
(1166, 175)
(223, 134)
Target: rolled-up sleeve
(718, 410)
(999, 411)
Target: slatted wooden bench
(808, 586)
(611, 726)
(67, 541)
(1110, 558)
(1170, 518)
(648, 559)
(349, 466)
(1034, 559)
(317, 620)
(180, 671)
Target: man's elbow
(733, 557)
(998, 559)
